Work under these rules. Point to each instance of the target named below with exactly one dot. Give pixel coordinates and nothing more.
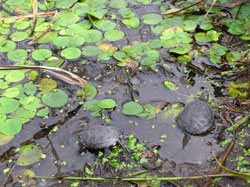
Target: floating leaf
(21, 25)
(104, 25)
(8, 46)
(148, 61)
(71, 53)
(56, 99)
(2, 40)
(182, 49)
(47, 85)
(92, 35)
(151, 18)
(131, 22)
(91, 105)
(41, 54)
(106, 103)
(64, 4)
(18, 55)
(118, 4)
(28, 155)
(43, 112)
(132, 108)
(48, 37)
(233, 56)
(90, 50)
(169, 85)
(15, 76)
(10, 126)
(11, 92)
(4, 139)
(67, 18)
(114, 35)
(89, 91)
(19, 36)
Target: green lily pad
(71, 53)
(21, 25)
(4, 139)
(48, 37)
(106, 103)
(15, 76)
(91, 105)
(114, 35)
(233, 56)
(218, 49)
(8, 46)
(185, 48)
(104, 25)
(67, 18)
(28, 155)
(64, 4)
(2, 40)
(169, 85)
(132, 108)
(126, 13)
(152, 19)
(10, 126)
(118, 4)
(90, 50)
(133, 22)
(89, 91)
(11, 92)
(148, 61)
(18, 55)
(19, 36)
(92, 35)
(43, 112)
(8, 105)
(41, 54)
(56, 99)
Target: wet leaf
(28, 155)
(106, 103)
(91, 105)
(170, 85)
(104, 25)
(18, 55)
(47, 85)
(19, 36)
(233, 56)
(118, 4)
(11, 92)
(185, 48)
(148, 61)
(8, 46)
(67, 18)
(15, 76)
(132, 108)
(10, 126)
(151, 18)
(114, 35)
(92, 35)
(2, 40)
(64, 3)
(43, 112)
(90, 51)
(21, 25)
(56, 99)
(133, 22)
(4, 139)
(89, 91)
(41, 54)
(71, 53)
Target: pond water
(132, 78)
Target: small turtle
(99, 137)
(197, 117)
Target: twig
(79, 81)
(45, 31)
(40, 14)
(214, 1)
(216, 170)
(171, 13)
(35, 11)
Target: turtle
(197, 117)
(99, 137)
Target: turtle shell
(99, 137)
(196, 118)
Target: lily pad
(19, 36)
(15, 76)
(106, 103)
(41, 54)
(4, 139)
(18, 55)
(152, 19)
(67, 18)
(92, 35)
(10, 126)
(90, 50)
(11, 92)
(71, 53)
(55, 99)
(133, 22)
(43, 112)
(118, 4)
(114, 35)
(104, 25)
(28, 155)
(132, 108)
(8, 46)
